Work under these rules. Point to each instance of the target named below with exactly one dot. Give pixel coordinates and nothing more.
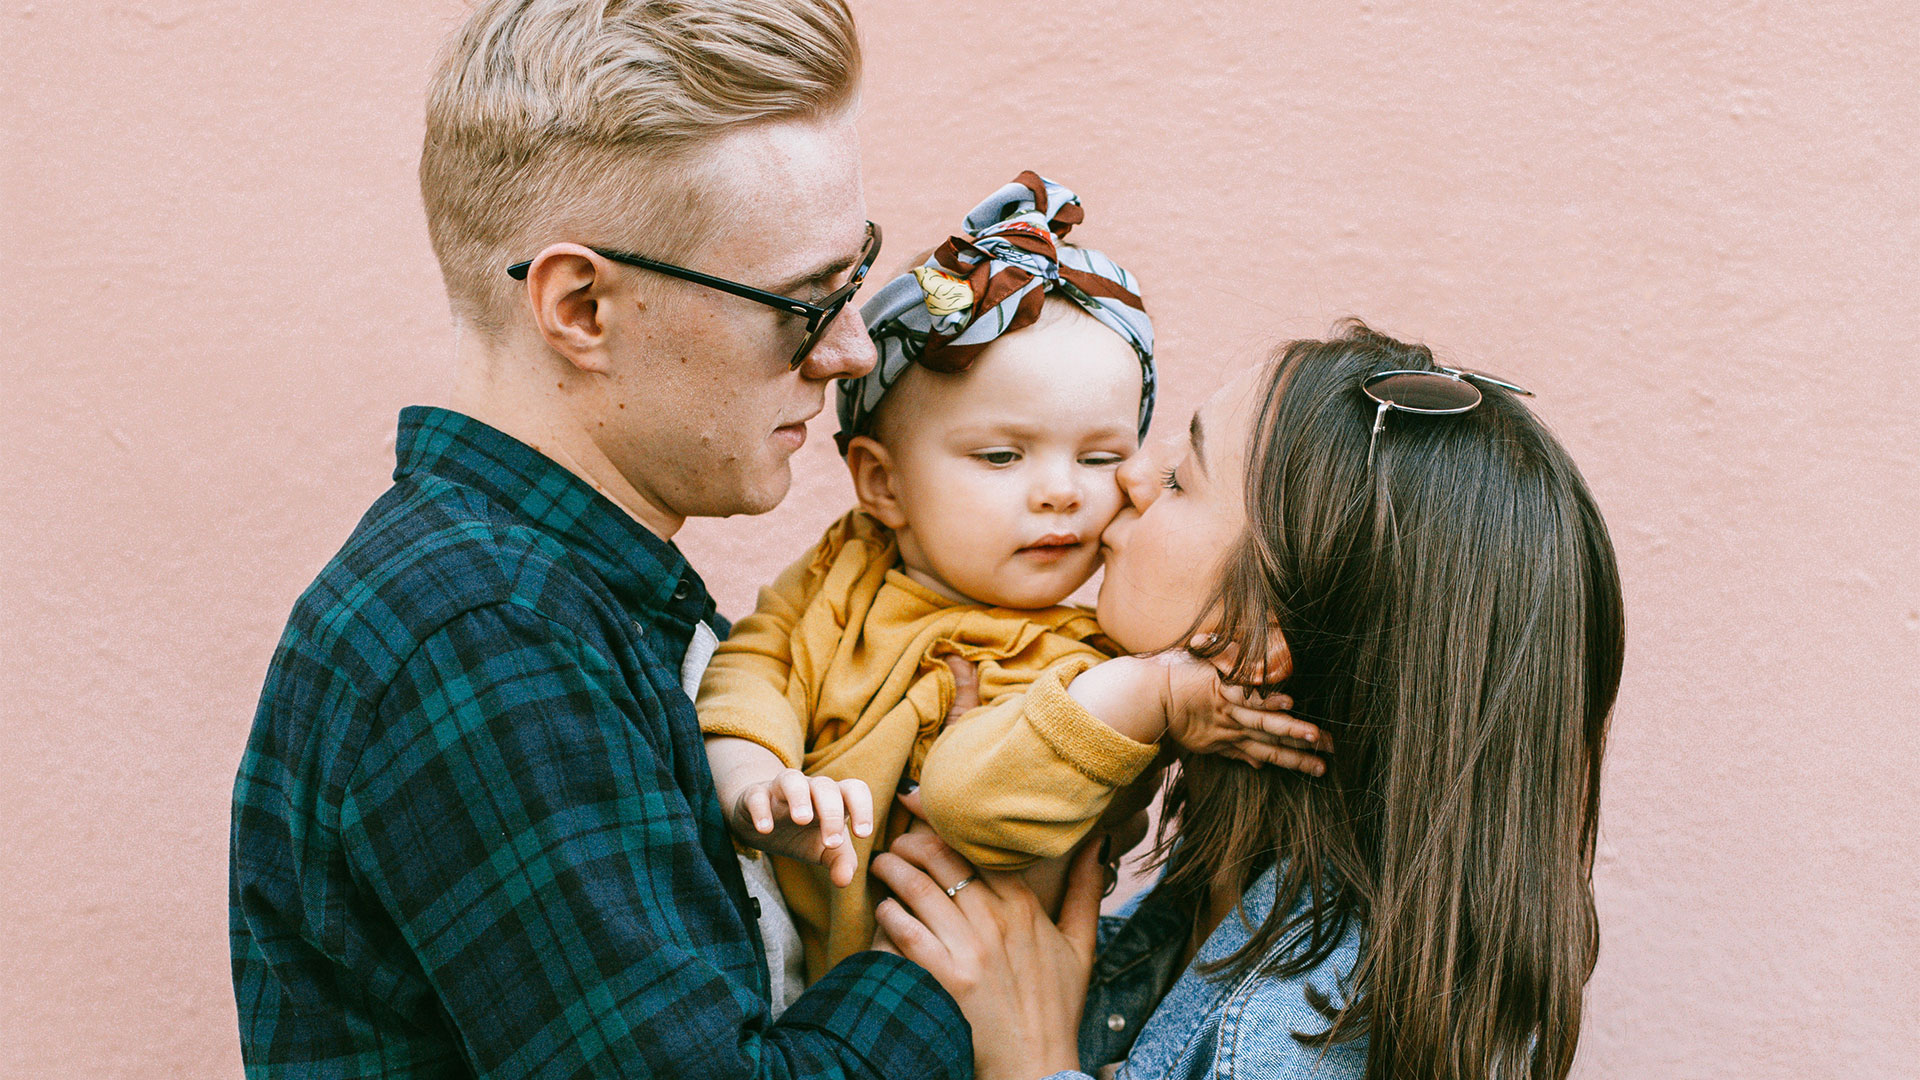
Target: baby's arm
(1188, 699)
(755, 738)
(784, 811)
(1027, 776)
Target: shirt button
(638, 630)
(1116, 1022)
(681, 590)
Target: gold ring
(961, 884)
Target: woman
(1447, 592)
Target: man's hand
(1020, 979)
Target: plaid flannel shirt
(474, 831)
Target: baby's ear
(872, 469)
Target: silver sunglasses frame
(1466, 377)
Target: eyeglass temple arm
(1379, 421)
(518, 272)
(1483, 377)
(785, 303)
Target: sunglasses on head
(1442, 392)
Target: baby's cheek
(1105, 503)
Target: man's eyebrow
(1199, 439)
(817, 277)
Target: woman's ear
(872, 469)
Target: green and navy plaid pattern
(474, 832)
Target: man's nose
(843, 352)
(1139, 480)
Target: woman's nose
(1139, 480)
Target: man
(474, 832)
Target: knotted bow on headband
(990, 282)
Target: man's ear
(872, 469)
(571, 292)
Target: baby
(1015, 374)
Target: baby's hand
(1208, 715)
(805, 817)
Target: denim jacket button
(1116, 1022)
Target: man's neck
(514, 394)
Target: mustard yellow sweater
(839, 672)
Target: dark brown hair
(1454, 615)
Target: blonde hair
(552, 120)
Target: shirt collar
(646, 573)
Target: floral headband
(990, 282)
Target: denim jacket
(1217, 1026)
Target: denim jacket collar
(1139, 967)
(1173, 1024)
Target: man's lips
(794, 432)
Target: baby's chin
(1031, 598)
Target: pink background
(1692, 228)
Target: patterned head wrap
(991, 282)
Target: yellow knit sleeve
(1026, 775)
(744, 692)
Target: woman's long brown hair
(1454, 616)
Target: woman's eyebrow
(1198, 439)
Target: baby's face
(1005, 473)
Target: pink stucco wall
(1693, 228)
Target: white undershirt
(786, 971)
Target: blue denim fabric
(1165, 1024)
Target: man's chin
(750, 499)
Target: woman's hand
(1020, 979)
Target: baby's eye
(997, 457)
(1170, 479)
(1100, 461)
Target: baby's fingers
(826, 803)
(859, 802)
(1279, 725)
(841, 861)
(795, 792)
(1252, 698)
(759, 805)
(1284, 756)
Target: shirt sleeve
(1064, 765)
(515, 815)
(744, 691)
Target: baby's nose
(1057, 493)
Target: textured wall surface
(1692, 228)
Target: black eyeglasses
(1445, 392)
(819, 316)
